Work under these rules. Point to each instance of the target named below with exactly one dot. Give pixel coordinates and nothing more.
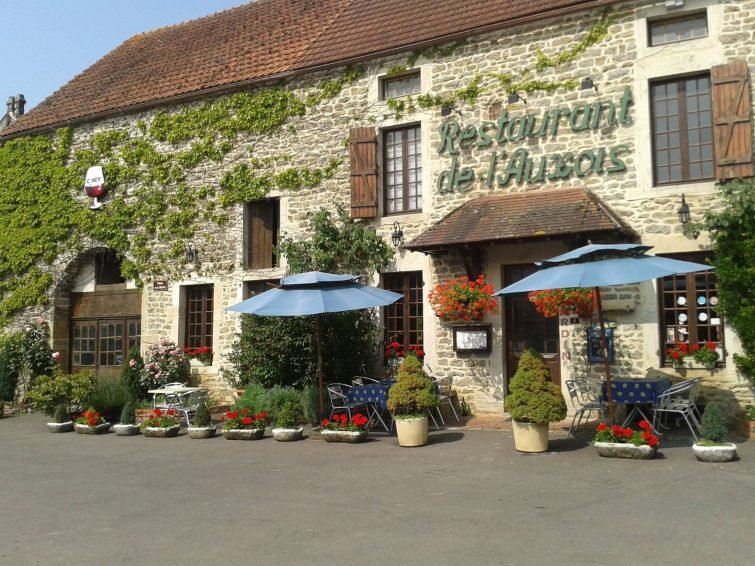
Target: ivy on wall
(152, 207)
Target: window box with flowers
(463, 299)
(161, 424)
(342, 429)
(199, 356)
(91, 422)
(244, 425)
(706, 354)
(678, 353)
(554, 302)
(619, 442)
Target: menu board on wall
(594, 350)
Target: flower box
(244, 433)
(288, 434)
(95, 429)
(196, 362)
(625, 450)
(60, 427)
(350, 436)
(202, 432)
(126, 429)
(161, 431)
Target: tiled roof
(267, 39)
(529, 215)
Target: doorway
(524, 327)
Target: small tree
(131, 371)
(713, 426)
(412, 395)
(534, 399)
(128, 414)
(202, 416)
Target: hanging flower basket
(553, 302)
(463, 299)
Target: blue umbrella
(315, 293)
(597, 265)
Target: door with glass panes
(102, 344)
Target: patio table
(637, 392)
(375, 396)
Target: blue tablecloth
(375, 393)
(633, 391)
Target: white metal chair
(443, 390)
(339, 401)
(584, 402)
(190, 402)
(362, 380)
(679, 399)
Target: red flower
(710, 345)
(602, 426)
(695, 347)
(232, 414)
(158, 413)
(244, 411)
(170, 412)
(644, 425)
(324, 422)
(247, 421)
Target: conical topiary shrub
(532, 398)
(202, 416)
(126, 424)
(413, 394)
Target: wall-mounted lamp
(587, 84)
(191, 252)
(683, 211)
(398, 234)
(514, 97)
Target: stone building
(486, 135)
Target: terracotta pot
(350, 436)
(244, 433)
(411, 432)
(161, 431)
(530, 437)
(625, 450)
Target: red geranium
(553, 302)
(242, 418)
(161, 419)
(463, 299)
(641, 437)
(342, 422)
(90, 417)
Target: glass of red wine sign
(94, 185)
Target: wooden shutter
(732, 120)
(363, 157)
(263, 227)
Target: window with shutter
(363, 159)
(262, 227)
(732, 119)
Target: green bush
(61, 414)
(128, 414)
(257, 398)
(202, 416)
(311, 404)
(713, 425)
(130, 374)
(26, 351)
(69, 389)
(289, 415)
(109, 399)
(413, 394)
(532, 398)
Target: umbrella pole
(318, 334)
(604, 348)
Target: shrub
(128, 414)
(202, 416)
(289, 415)
(311, 404)
(26, 352)
(109, 399)
(164, 362)
(69, 389)
(133, 366)
(413, 394)
(534, 399)
(713, 425)
(257, 399)
(61, 414)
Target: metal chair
(584, 403)
(443, 390)
(362, 380)
(680, 399)
(190, 402)
(339, 401)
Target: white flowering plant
(164, 362)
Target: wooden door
(527, 328)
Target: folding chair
(361, 380)
(443, 390)
(680, 399)
(584, 403)
(339, 401)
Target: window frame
(265, 284)
(684, 130)
(405, 194)
(206, 303)
(675, 18)
(405, 283)
(127, 339)
(387, 80)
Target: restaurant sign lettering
(519, 165)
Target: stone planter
(126, 429)
(350, 436)
(719, 453)
(60, 427)
(195, 362)
(161, 431)
(530, 437)
(624, 450)
(411, 432)
(244, 433)
(200, 432)
(288, 434)
(97, 429)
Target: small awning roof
(531, 215)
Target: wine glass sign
(94, 185)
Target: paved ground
(468, 498)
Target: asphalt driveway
(467, 498)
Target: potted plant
(553, 302)
(199, 356)
(394, 355)
(127, 425)
(533, 403)
(618, 442)
(287, 426)
(705, 355)
(409, 401)
(463, 299)
(160, 424)
(68, 389)
(678, 353)
(712, 447)
(91, 422)
(202, 425)
(60, 421)
(344, 429)
(244, 425)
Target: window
(199, 307)
(393, 87)
(403, 320)
(252, 288)
(403, 170)
(690, 26)
(689, 309)
(107, 269)
(99, 343)
(261, 228)
(682, 130)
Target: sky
(45, 43)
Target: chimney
(11, 104)
(20, 103)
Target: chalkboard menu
(594, 351)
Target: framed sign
(472, 338)
(594, 351)
(160, 285)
